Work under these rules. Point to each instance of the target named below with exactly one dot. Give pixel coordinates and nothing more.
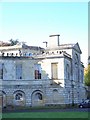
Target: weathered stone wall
(49, 97)
(67, 88)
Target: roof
(31, 47)
(67, 46)
(20, 46)
(4, 43)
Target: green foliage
(87, 76)
(13, 42)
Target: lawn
(46, 115)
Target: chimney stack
(54, 41)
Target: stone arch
(37, 98)
(55, 96)
(58, 97)
(19, 98)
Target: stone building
(34, 76)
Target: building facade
(33, 76)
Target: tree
(13, 42)
(87, 76)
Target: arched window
(55, 95)
(18, 96)
(39, 96)
(55, 90)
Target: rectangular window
(37, 71)
(54, 70)
(81, 76)
(1, 71)
(19, 71)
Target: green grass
(46, 115)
